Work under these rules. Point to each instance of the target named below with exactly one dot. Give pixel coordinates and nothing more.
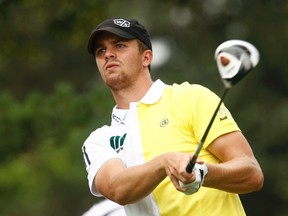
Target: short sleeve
(96, 151)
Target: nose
(109, 54)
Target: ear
(147, 58)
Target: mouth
(111, 66)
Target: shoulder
(100, 131)
(99, 134)
(186, 89)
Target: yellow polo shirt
(176, 123)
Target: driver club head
(235, 58)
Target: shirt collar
(154, 93)
(152, 96)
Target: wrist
(200, 171)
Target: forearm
(128, 185)
(241, 175)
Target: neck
(133, 93)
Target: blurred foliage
(41, 167)
(51, 96)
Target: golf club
(234, 59)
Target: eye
(99, 51)
(120, 45)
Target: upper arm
(231, 145)
(106, 174)
(238, 171)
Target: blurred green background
(51, 96)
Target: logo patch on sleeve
(116, 142)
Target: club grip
(190, 166)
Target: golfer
(139, 160)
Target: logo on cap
(122, 23)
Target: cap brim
(95, 33)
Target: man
(139, 160)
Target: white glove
(200, 171)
